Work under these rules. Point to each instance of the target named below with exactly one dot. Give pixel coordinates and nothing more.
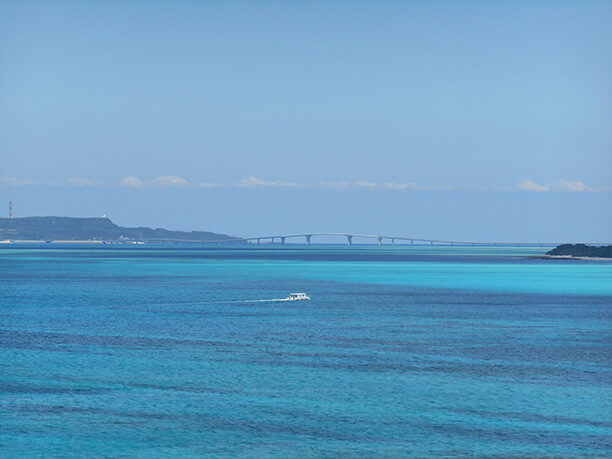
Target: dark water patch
(421, 301)
(333, 428)
(75, 278)
(534, 435)
(532, 417)
(12, 387)
(21, 339)
(320, 355)
(187, 389)
(541, 355)
(203, 421)
(429, 339)
(525, 436)
(513, 374)
(121, 384)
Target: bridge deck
(349, 238)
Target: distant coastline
(91, 230)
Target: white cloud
(561, 185)
(341, 185)
(251, 182)
(366, 184)
(564, 185)
(169, 180)
(159, 182)
(528, 185)
(164, 181)
(403, 186)
(14, 181)
(81, 182)
(132, 182)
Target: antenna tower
(10, 209)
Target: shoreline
(568, 257)
(37, 241)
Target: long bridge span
(348, 237)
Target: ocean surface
(144, 351)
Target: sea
(402, 351)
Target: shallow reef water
(423, 351)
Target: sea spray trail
(196, 303)
(271, 300)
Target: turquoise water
(423, 351)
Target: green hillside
(72, 229)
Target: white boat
(297, 297)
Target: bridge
(348, 237)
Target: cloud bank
(164, 181)
(251, 182)
(76, 181)
(561, 185)
(174, 181)
(412, 186)
(14, 181)
(131, 182)
(528, 185)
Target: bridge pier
(349, 239)
(258, 240)
(411, 241)
(379, 241)
(272, 240)
(392, 241)
(308, 236)
(283, 240)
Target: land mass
(581, 250)
(90, 229)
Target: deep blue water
(423, 351)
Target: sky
(473, 120)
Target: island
(580, 251)
(72, 229)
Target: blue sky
(479, 120)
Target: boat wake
(291, 297)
